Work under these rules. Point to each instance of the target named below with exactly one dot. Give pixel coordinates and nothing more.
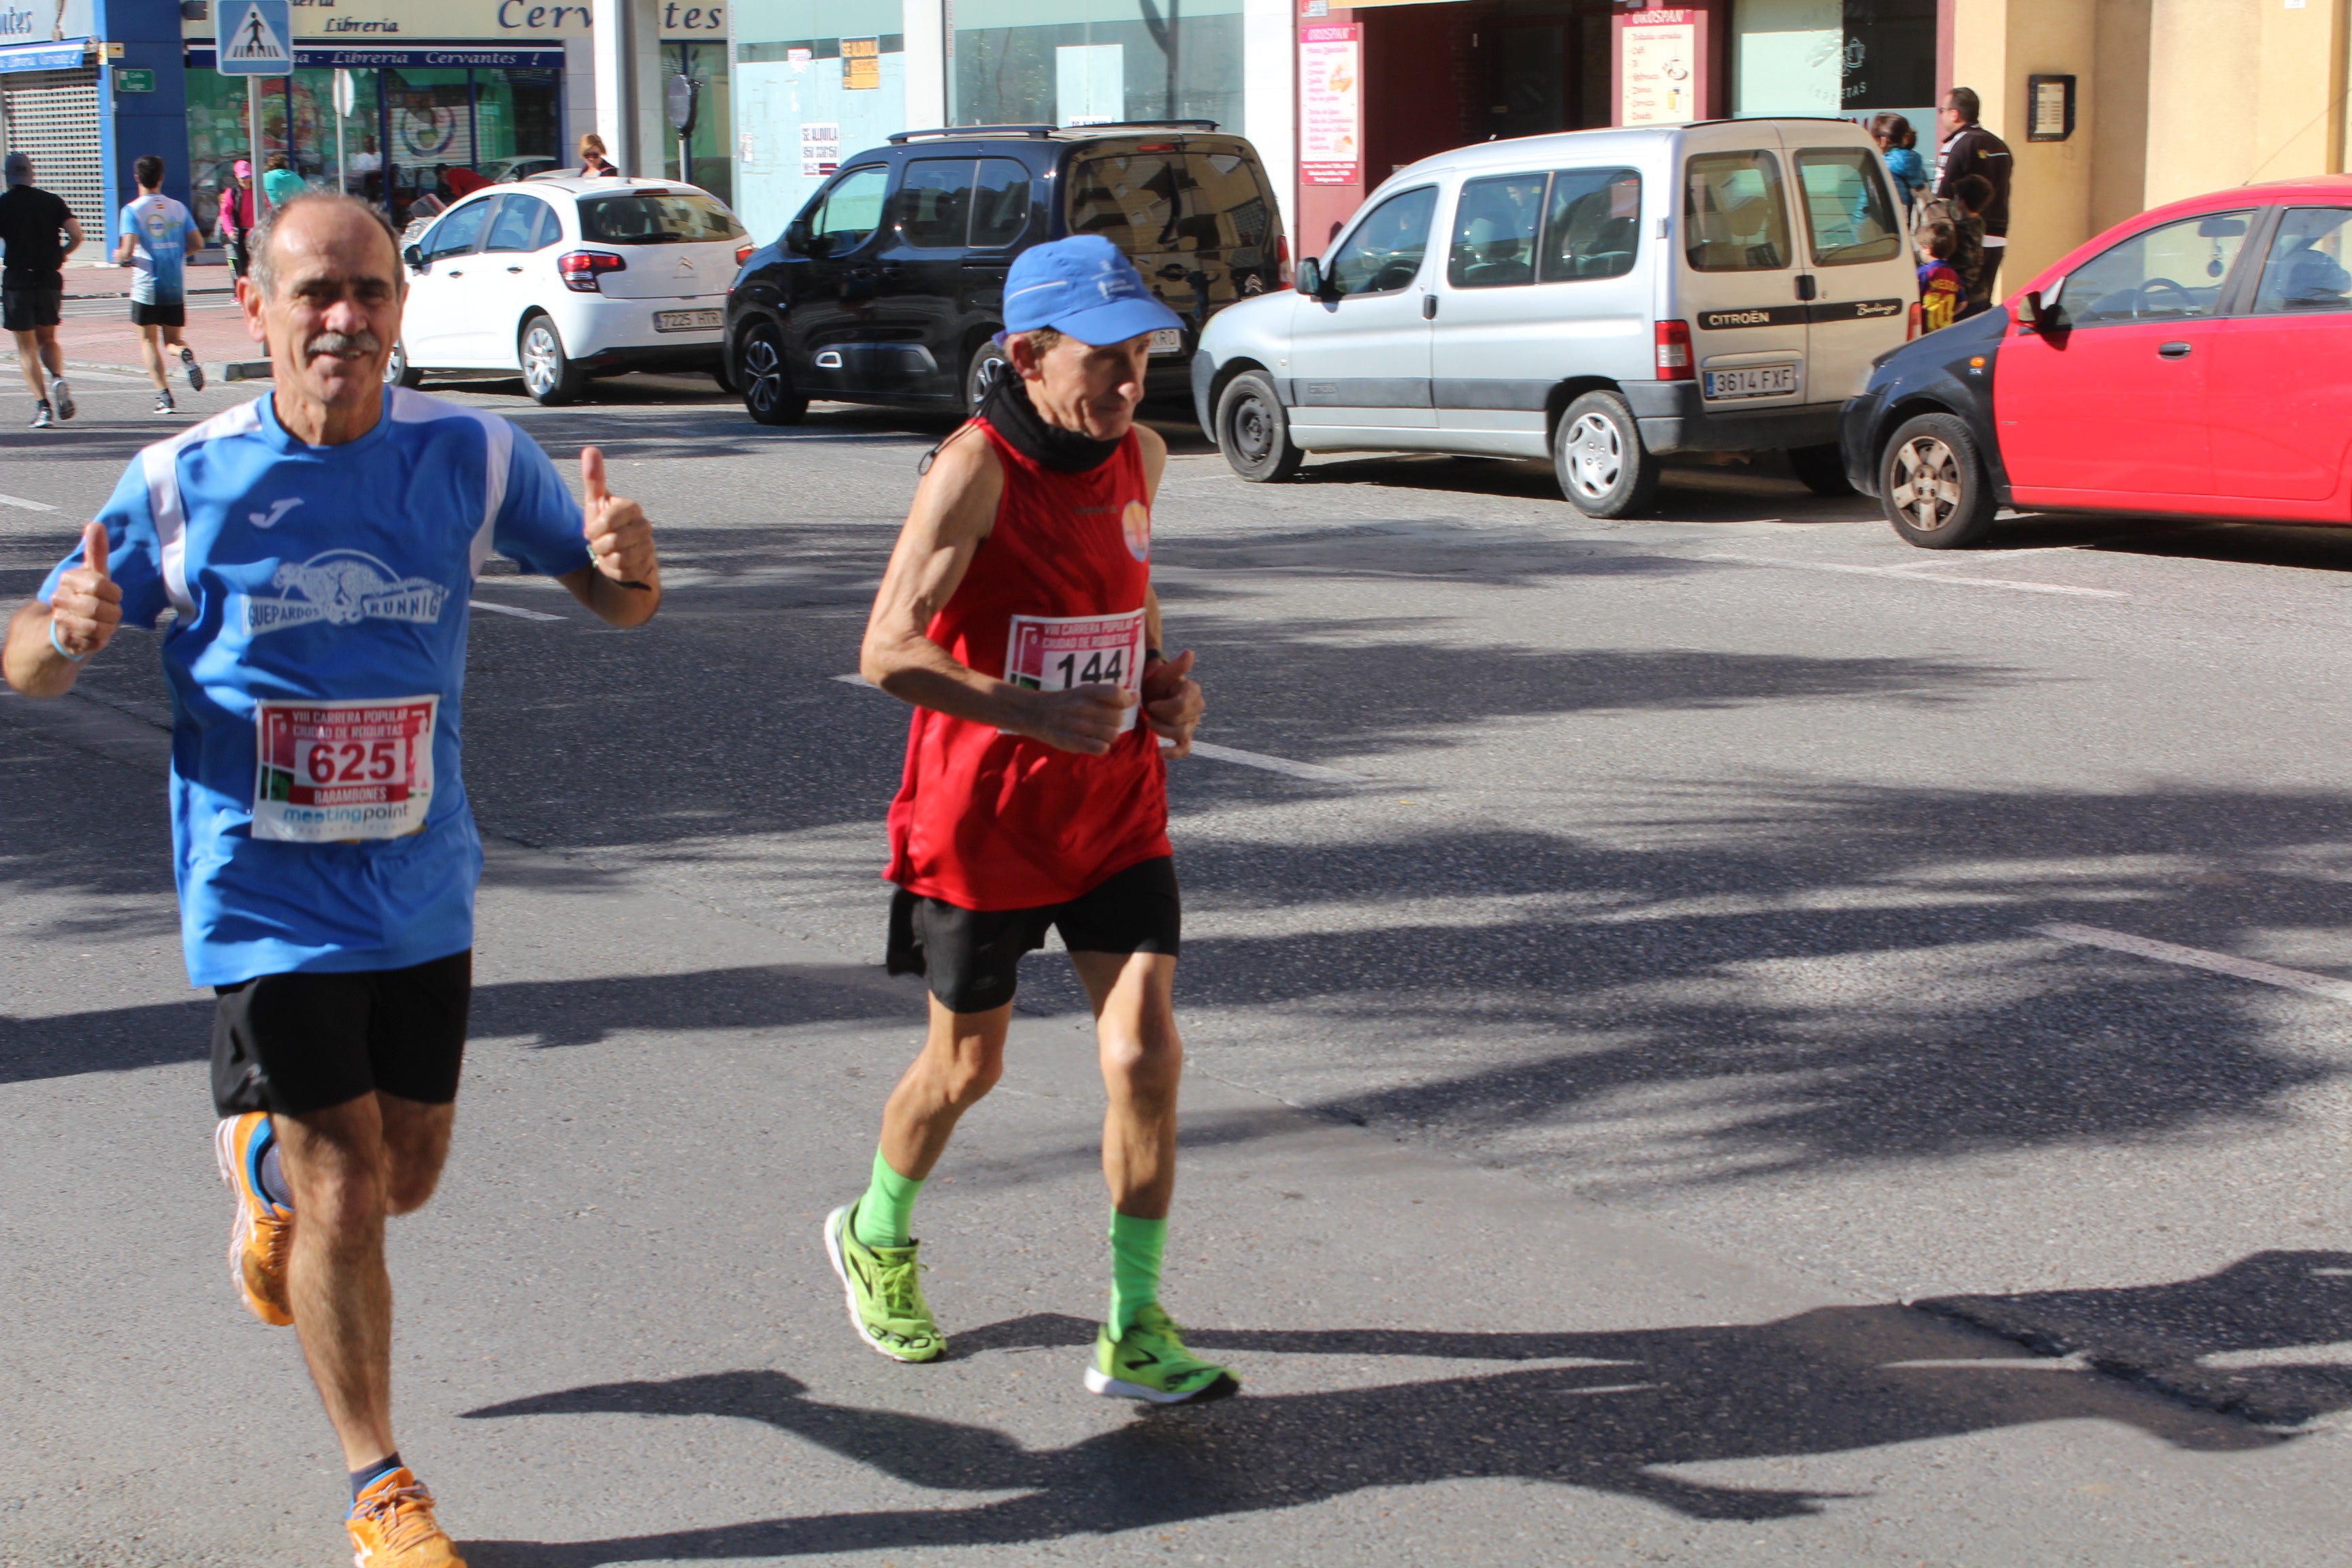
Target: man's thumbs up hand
(88, 605)
(619, 537)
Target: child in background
(1899, 144)
(1940, 290)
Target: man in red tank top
(1036, 790)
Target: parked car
(1600, 298)
(568, 279)
(2194, 359)
(889, 287)
(509, 170)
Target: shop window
(1495, 225)
(1833, 57)
(1848, 214)
(933, 206)
(2305, 270)
(1384, 254)
(1095, 61)
(1000, 211)
(1595, 227)
(1735, 218)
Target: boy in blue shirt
(158, 235)
(319, 547)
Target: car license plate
(1764, 381)
(1168, 341)
(694, 321)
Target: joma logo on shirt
(343, 587)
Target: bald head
(342, 234)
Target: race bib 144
(1056, 653)
(333, 772)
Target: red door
(2113, 409)
(2281, 375)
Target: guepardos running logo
(342, 588)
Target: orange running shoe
(392, 1526)
(264, 1233)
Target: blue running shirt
(315, 574)
(159, 228)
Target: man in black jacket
(1970, 149)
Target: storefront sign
(318, 58)
(861, 64)
(42, 57)
(515, 21)
(1331, 105)
(46, 21)
(129, 78)
(1658, 66)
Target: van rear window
(1185, 205)
(1735, 218)
(1848, 214)
(670, 218)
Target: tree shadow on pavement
(1614, 1411)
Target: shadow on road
(1615, 1412)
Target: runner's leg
(28, 360)
(351, 1165)
(151, 353)
(52, 357)
(962, 1058)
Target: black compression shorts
(292, 1044)
(969, 957)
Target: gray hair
(265, 254)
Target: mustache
(341, 343)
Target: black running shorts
(291, 1043)
(22, 310)
(159, 313)
(969, 957)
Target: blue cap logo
(1085, 287)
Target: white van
(1600, 298)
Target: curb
(215, 370)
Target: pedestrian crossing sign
(256, 37)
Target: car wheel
(1821, 469)
(768, 394)
(548, 372)
(1937, 492)
(1604, 470)
(1254, 430)
(719, 374)
(397, 371)
(988, 362)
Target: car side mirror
(1310, 277)
(414, 256)
(796, 237)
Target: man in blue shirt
(157, 236)
(319, 549)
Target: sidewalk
(97, 334)
(208, 274)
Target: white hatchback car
(569, 279)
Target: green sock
(1135, 1248)
(887, 1208)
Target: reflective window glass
(1495, 225)
(849, 211)
(2306, 270)
(1385, 252)
(651, 217)
(517, 225)
(1848, 214)
(2171, 272)
(1000, 201)
(1735, 218)
(458, 233)
(933, 206)
(1595, 227)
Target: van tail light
(1918, 319)
(1674, 351)
(581, 269)
(1282, 259)
(743, 252)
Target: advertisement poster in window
(1658, 66)
(820, 149)
(1331, 105)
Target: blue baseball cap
(1083, 285)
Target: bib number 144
(1058, 653)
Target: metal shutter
(53, 115)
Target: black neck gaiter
(1008, 408)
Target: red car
(2196, 358)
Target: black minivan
(889, 286)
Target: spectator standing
(279, 183)
(363, 163)
(236, 217)
(1970, 149)
(1940, 290)
(592, 160)
(1899, 144)
(36, 231)
(1979, 261)
(158, 235)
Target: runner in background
(236, 217)
(38, 230)
(1032, 797)
(319, 547)
(157, 236)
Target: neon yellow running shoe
(885, 1288)
(1149, 1361)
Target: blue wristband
(75, 657)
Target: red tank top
(1054, 598)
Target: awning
(61, 55)
(409, 56)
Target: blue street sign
(256, 37)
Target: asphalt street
(1638, 1111)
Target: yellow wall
(2174, 97)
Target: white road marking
(517, 611)
(27, 505)
(2199, 958)
(1912, 574)
(1218, 753)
